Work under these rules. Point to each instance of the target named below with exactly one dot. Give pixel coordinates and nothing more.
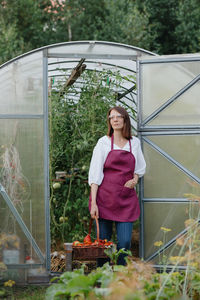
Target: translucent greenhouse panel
(83, 48)
(21, 86)
(163, 179)
(185, 110)
(160, 81)
(22, 176)
(15, 247)
(168, 215)
(183, 148)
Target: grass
(25, 293)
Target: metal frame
(145, 130)
(105, 44)
(46, 158)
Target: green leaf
(55, 290)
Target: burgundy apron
(115, 201)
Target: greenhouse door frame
(145, 130)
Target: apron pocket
(127, 192)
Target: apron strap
(130, 146)
(112, 142)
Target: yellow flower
(177, 259)
(192, 197)
(174, 274)
(3, 267)
(158, 243)
(165, 229)
(194, 265)
(9, 283)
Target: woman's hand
(94, 211)
(132, 182)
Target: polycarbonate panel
(183, 148)
(14, 246)
(22, 176)
(21, 86)
(91, 48)
(169, 215)
(185, 110)
(163, 179)
(160, 81)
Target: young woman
(116, 165)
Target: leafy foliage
(187, 31)
(162, 24)
(11, 43)
(76, 284)
(113, 254)
(137, 281)
(156, 25)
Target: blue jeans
(124, 234)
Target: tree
(136, 28)
(188, 30)
(90, 23)
(11, 44)
(162, 24)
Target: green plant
(113, 254)
(76, 285)
(27, 293)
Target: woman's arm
(97, 162)
(94, 208)
(140, 165)
(96, 173)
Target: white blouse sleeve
(96, 165)
(140, 164)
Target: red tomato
(87, 239)
(75, 243)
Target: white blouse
(100, 153)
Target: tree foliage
(188, 30)
(165, 27)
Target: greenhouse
(161, 94)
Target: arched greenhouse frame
(168, 125)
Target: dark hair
(126, 131)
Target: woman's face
(116, 120)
